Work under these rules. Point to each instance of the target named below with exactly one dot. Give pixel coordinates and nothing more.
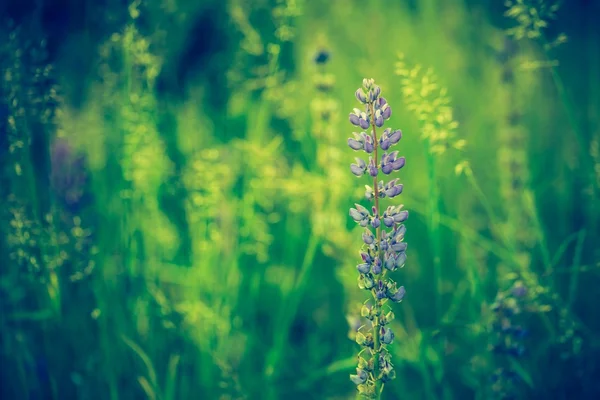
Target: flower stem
(434, 230)
(377, 305)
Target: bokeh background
(176, 185)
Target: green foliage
(174, 188)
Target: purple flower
(387, 336)
(375, 222)
(364, 268)
(393, 189)
(400, 260)
(360, 96)
(385, 249)
(366, 257)
(396, 136)
(359, 168)
(378, 119)
(380, 292)
(368, 237)
(360, 215)
(519, 290)
(398, 163)
(398, 295)
(377, 266)
(369, 145)
(360, 377)
(355, 144)
(387, 112)
(390, 261)
(68, 176)
(372, 167)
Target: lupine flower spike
(508, 334)
(384, 249)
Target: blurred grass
(202, 248)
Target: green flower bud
(367, 390)
(360, 339)
(365, 312)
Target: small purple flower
(387, 112)
(390, 261)
(368, 237)
(374, 93)
(396, 136)
(380, 103)
(360, 377)
(387, 161)
(359, 118)
(388, 221)
(366, 257)
(375, 222)
(360, 96)
(393, 189)
(360, 214)
(519, 290)
(369, 145)
(400, 231)
(387, 336)
(378, 118)
(384, 142)
(355, 144)
(398, 295)
(359, 168)
(400, 260)
(384, 240)
(364, 268)
(401, 217)
(68, 176)
(372, 167)
(377, 266)
(398, 163)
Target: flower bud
(355, 144)
(387, 112)
(400, 260)
(375, 222)
(387, 336)
(372, 167)
(364, 268)
(360, 96)
(377, 266)
(360, 377)
(395, 136)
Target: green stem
(377, 305)
(434, 223)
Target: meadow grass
(175, 199)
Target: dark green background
(199, 245)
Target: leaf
(145, 359)
(171, 383)
(147, 387)
(523, 374)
